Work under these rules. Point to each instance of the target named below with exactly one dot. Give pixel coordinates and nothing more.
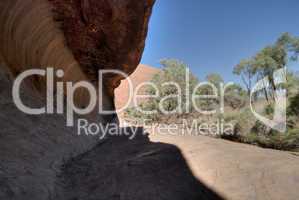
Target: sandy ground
(236, 171)
(239, 171)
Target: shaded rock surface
(132, 169)
(41, 159)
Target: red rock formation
(42, 159)
(78, 36)
(105, 34)
(142, 74)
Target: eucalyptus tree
(247, 72)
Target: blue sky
(214, 35)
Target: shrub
(245, 122)
(134, 114)
(235, 97)
(293, 108)
(281, 141)
(260, 129)
(235, 101)
(269, 109)
(173, 71)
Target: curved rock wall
(79, 36)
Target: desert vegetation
(167, 104)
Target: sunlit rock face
(79, 36)
(124, 94)
(105, 34)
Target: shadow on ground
(41, 159)
(120, 168)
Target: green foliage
(174, 72)
(246, 70)
(291, 43)
(251, 131)
(269, 109)
(281, 141)
(215, 79)
(133, 113)
(292, 84)
(244, 122)
(235, 97)
(247, 128)
(260, 129)
(293, 108)
(266, 61)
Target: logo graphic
(96, 96)
(278, 123)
